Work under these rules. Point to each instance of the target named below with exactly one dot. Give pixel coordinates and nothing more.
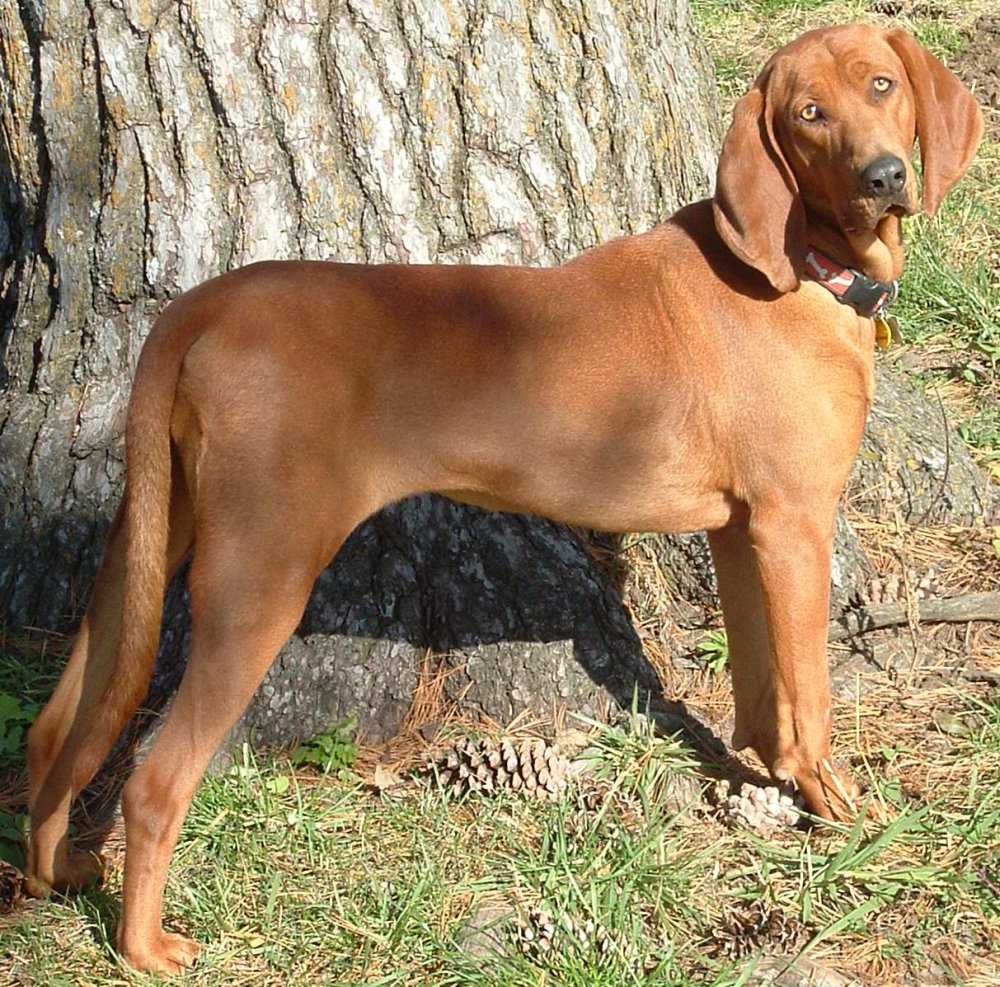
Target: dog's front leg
(774, 583)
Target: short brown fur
(683, 379)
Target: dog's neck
(876, 253)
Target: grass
(293, 876)
(289, 875)
(950, 305)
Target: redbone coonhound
(714, 373)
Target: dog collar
(865, 295)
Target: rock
(486, 932)
(780, 971)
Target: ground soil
(979, 66)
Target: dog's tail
(144, 533)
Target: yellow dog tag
(887, 331)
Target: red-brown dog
(714, 373)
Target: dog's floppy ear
(758, 211)
(949, 122)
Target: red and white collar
(865, 295)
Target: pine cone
(761, 809)
(892, 587)
(533, 766)
(621, 810)
(11, 887)
(536, 932)
(928, 585)
(592, 936)
(751, 925)
(539, 931)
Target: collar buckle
(868, 296)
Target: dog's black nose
(885, 176)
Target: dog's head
(824, 139)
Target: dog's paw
(78, 872)
(167, 954)
(831, 792)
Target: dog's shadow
(525, 615)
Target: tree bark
(148, 146)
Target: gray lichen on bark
(148, 146)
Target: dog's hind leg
(81, 721)
(251, 574)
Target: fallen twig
(980, 675)
(954, 609)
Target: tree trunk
(147, 148)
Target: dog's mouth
(868, 213)
(900, 209)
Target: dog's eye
(882, 85)
(811, 113)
